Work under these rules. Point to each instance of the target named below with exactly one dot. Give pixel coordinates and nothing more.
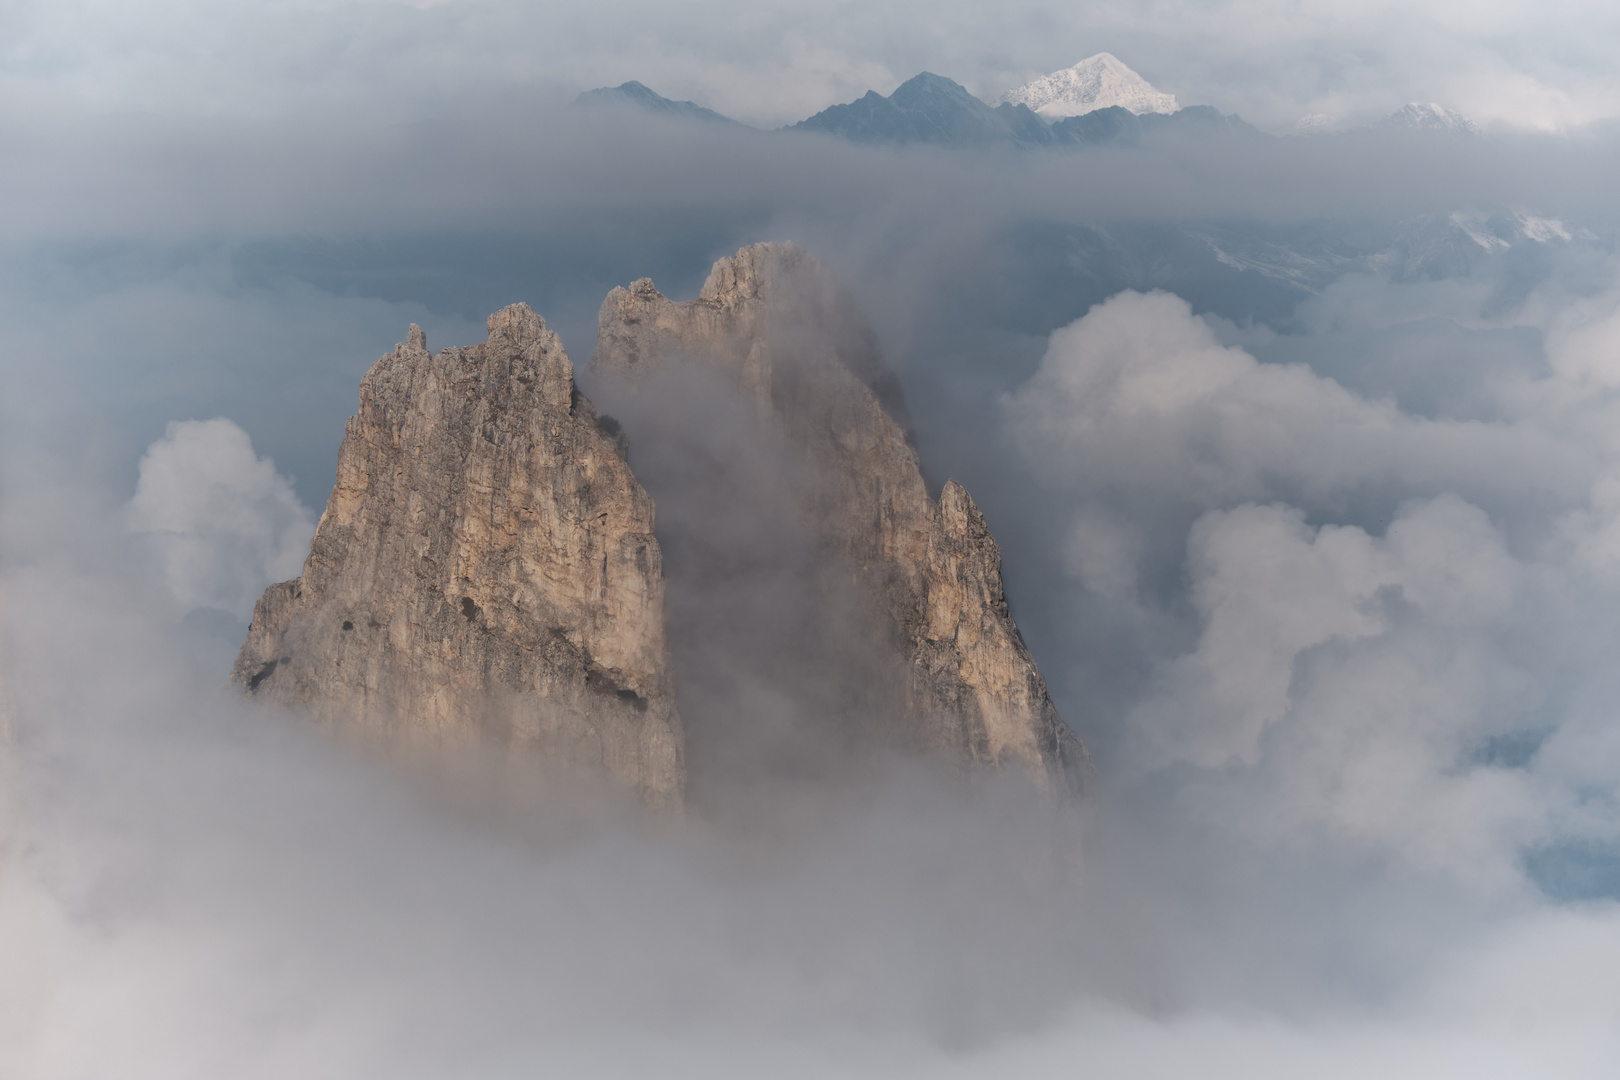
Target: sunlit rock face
(485, 571)
(951, 674)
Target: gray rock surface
(773, 323)
(485, 571)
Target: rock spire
(772, 323)
(485, 570)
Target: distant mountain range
(1097, 102)
(930, 108)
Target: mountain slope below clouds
(926, 108)
(634, 94)
(1118, 126)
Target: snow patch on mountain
(1427, 116)
(1499, 231)
(1097, 82)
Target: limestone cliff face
(485, 569)
(775, 324)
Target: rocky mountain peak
(746, 275)
(1098, 82)
(517, 326)
(487, 571)
(946, 669)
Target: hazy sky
(1519, 65)
(1302, 455)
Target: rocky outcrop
(775, 325)
(485, 569)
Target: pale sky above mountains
(1542, 67)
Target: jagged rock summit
(772, 323)
(485, 571)
(1097, 82)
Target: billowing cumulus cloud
(219, 521)
(1140, 399)
(1376, 661)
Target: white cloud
(1139, 397)
(219, 520)
(1268, 587)
(1399, 686)
(1360, 677)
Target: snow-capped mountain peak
(1096, 82)
(1427, 116)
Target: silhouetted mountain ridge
(639, 96)
(932, 109)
